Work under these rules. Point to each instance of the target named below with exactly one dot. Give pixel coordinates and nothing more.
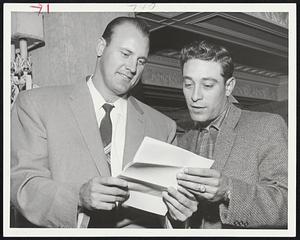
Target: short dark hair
(138, 23)
(208, 51)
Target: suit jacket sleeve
(36, 195)
(263, 204)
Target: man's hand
(205, 183)
(103, 193)
(181, 204)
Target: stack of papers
(153, 170)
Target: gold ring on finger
(202, 188)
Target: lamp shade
(27, 26)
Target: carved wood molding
(257, 91)
(162, 76)
(251, 82)
(170, 58)
(256, 71)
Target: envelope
(153, 170)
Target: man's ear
(101, 44)
(229, 85)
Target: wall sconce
(27, 34)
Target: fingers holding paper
(102, 193)
(181, 204)
(205, 183)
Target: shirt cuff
(82, 219)
(184, 225)
(79, 220)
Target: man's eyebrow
(126, 49)
(131, 52)
(209, 79)
(202, 79)
(187, 78)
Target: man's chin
(122, 91)
(198, 118)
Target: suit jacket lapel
(82, 106)
(135, 130)
(226, 138)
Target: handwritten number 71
(40, 7)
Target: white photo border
(152, 7)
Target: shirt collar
(217, 123)
(98, 100)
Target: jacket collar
(82, 107)
(226, 137)
(83, 110)
(135, 129)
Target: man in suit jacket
(61, 175)
(247, 184)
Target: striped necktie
(106, 130)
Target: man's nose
(197, 94)
(131, 65)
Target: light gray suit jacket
(56, 147)
(251, 149)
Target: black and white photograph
(148, 119)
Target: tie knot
(107, 107)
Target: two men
(70, 142)
(247, 184)
(64, 169)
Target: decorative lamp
(27, 35)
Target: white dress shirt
(118, 117)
